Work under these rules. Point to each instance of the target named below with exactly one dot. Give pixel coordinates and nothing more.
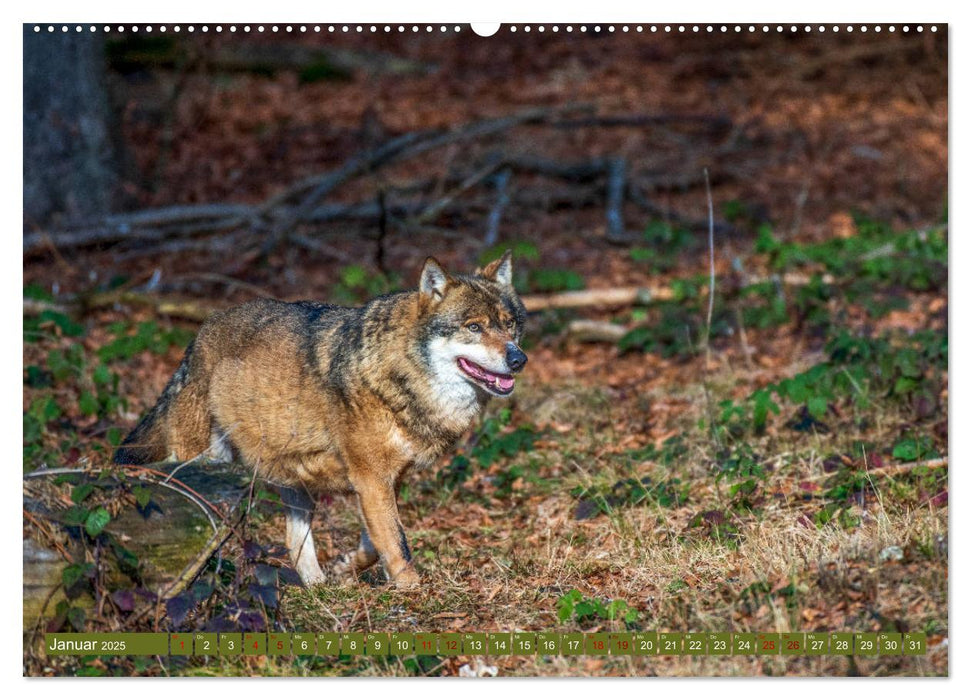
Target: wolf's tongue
(500, 381)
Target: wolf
(317, 399)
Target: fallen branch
(189, 309)
(584, 331)
(227, 244)
(407, 145)
(636, 193)
(179, 308)
(627, 296)
(148, 225)
(316, 246)
(613, 296)
(280, 215)
(194, 310)
(319, 186)
(579, 170)
(224, 521)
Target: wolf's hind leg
(353, 563)
(300, 538)
(189, 422)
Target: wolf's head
(471, 327)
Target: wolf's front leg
(300, 538)
(379, 506)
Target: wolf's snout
(515, 358)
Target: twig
(43, 608)
(207, 508)
(226, 280)
(50, 535)
(319, 247)
(891, 469)
(167, 481)
(739, 268)
(432, 211)
(711, 308)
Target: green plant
(554, 280)
(574, 606)
(899, 367)
(147, 336)
(745, 471)
(717, 525)
(521, 250)
(495, 440)
(675, 330)
(662, 243)
(877, 255)
(915, 449)
(86, 523)
(357, 284)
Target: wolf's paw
(312, 576)
(342, 567)
(406, 579)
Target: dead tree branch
(616, 185)
(153, 230)
(501, 181)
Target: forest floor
(789, 474)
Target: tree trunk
(69, 160)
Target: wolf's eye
(510, 324)
(474, 327)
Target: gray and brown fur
(320, 398)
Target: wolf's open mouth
(501, 384)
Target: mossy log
(189, 512)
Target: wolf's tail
(149, 441)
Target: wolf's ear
(500, 270)
(434, 280)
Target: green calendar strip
(201, 644)
(121, 644)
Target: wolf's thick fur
(320, 398)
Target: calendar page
(523, 349)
